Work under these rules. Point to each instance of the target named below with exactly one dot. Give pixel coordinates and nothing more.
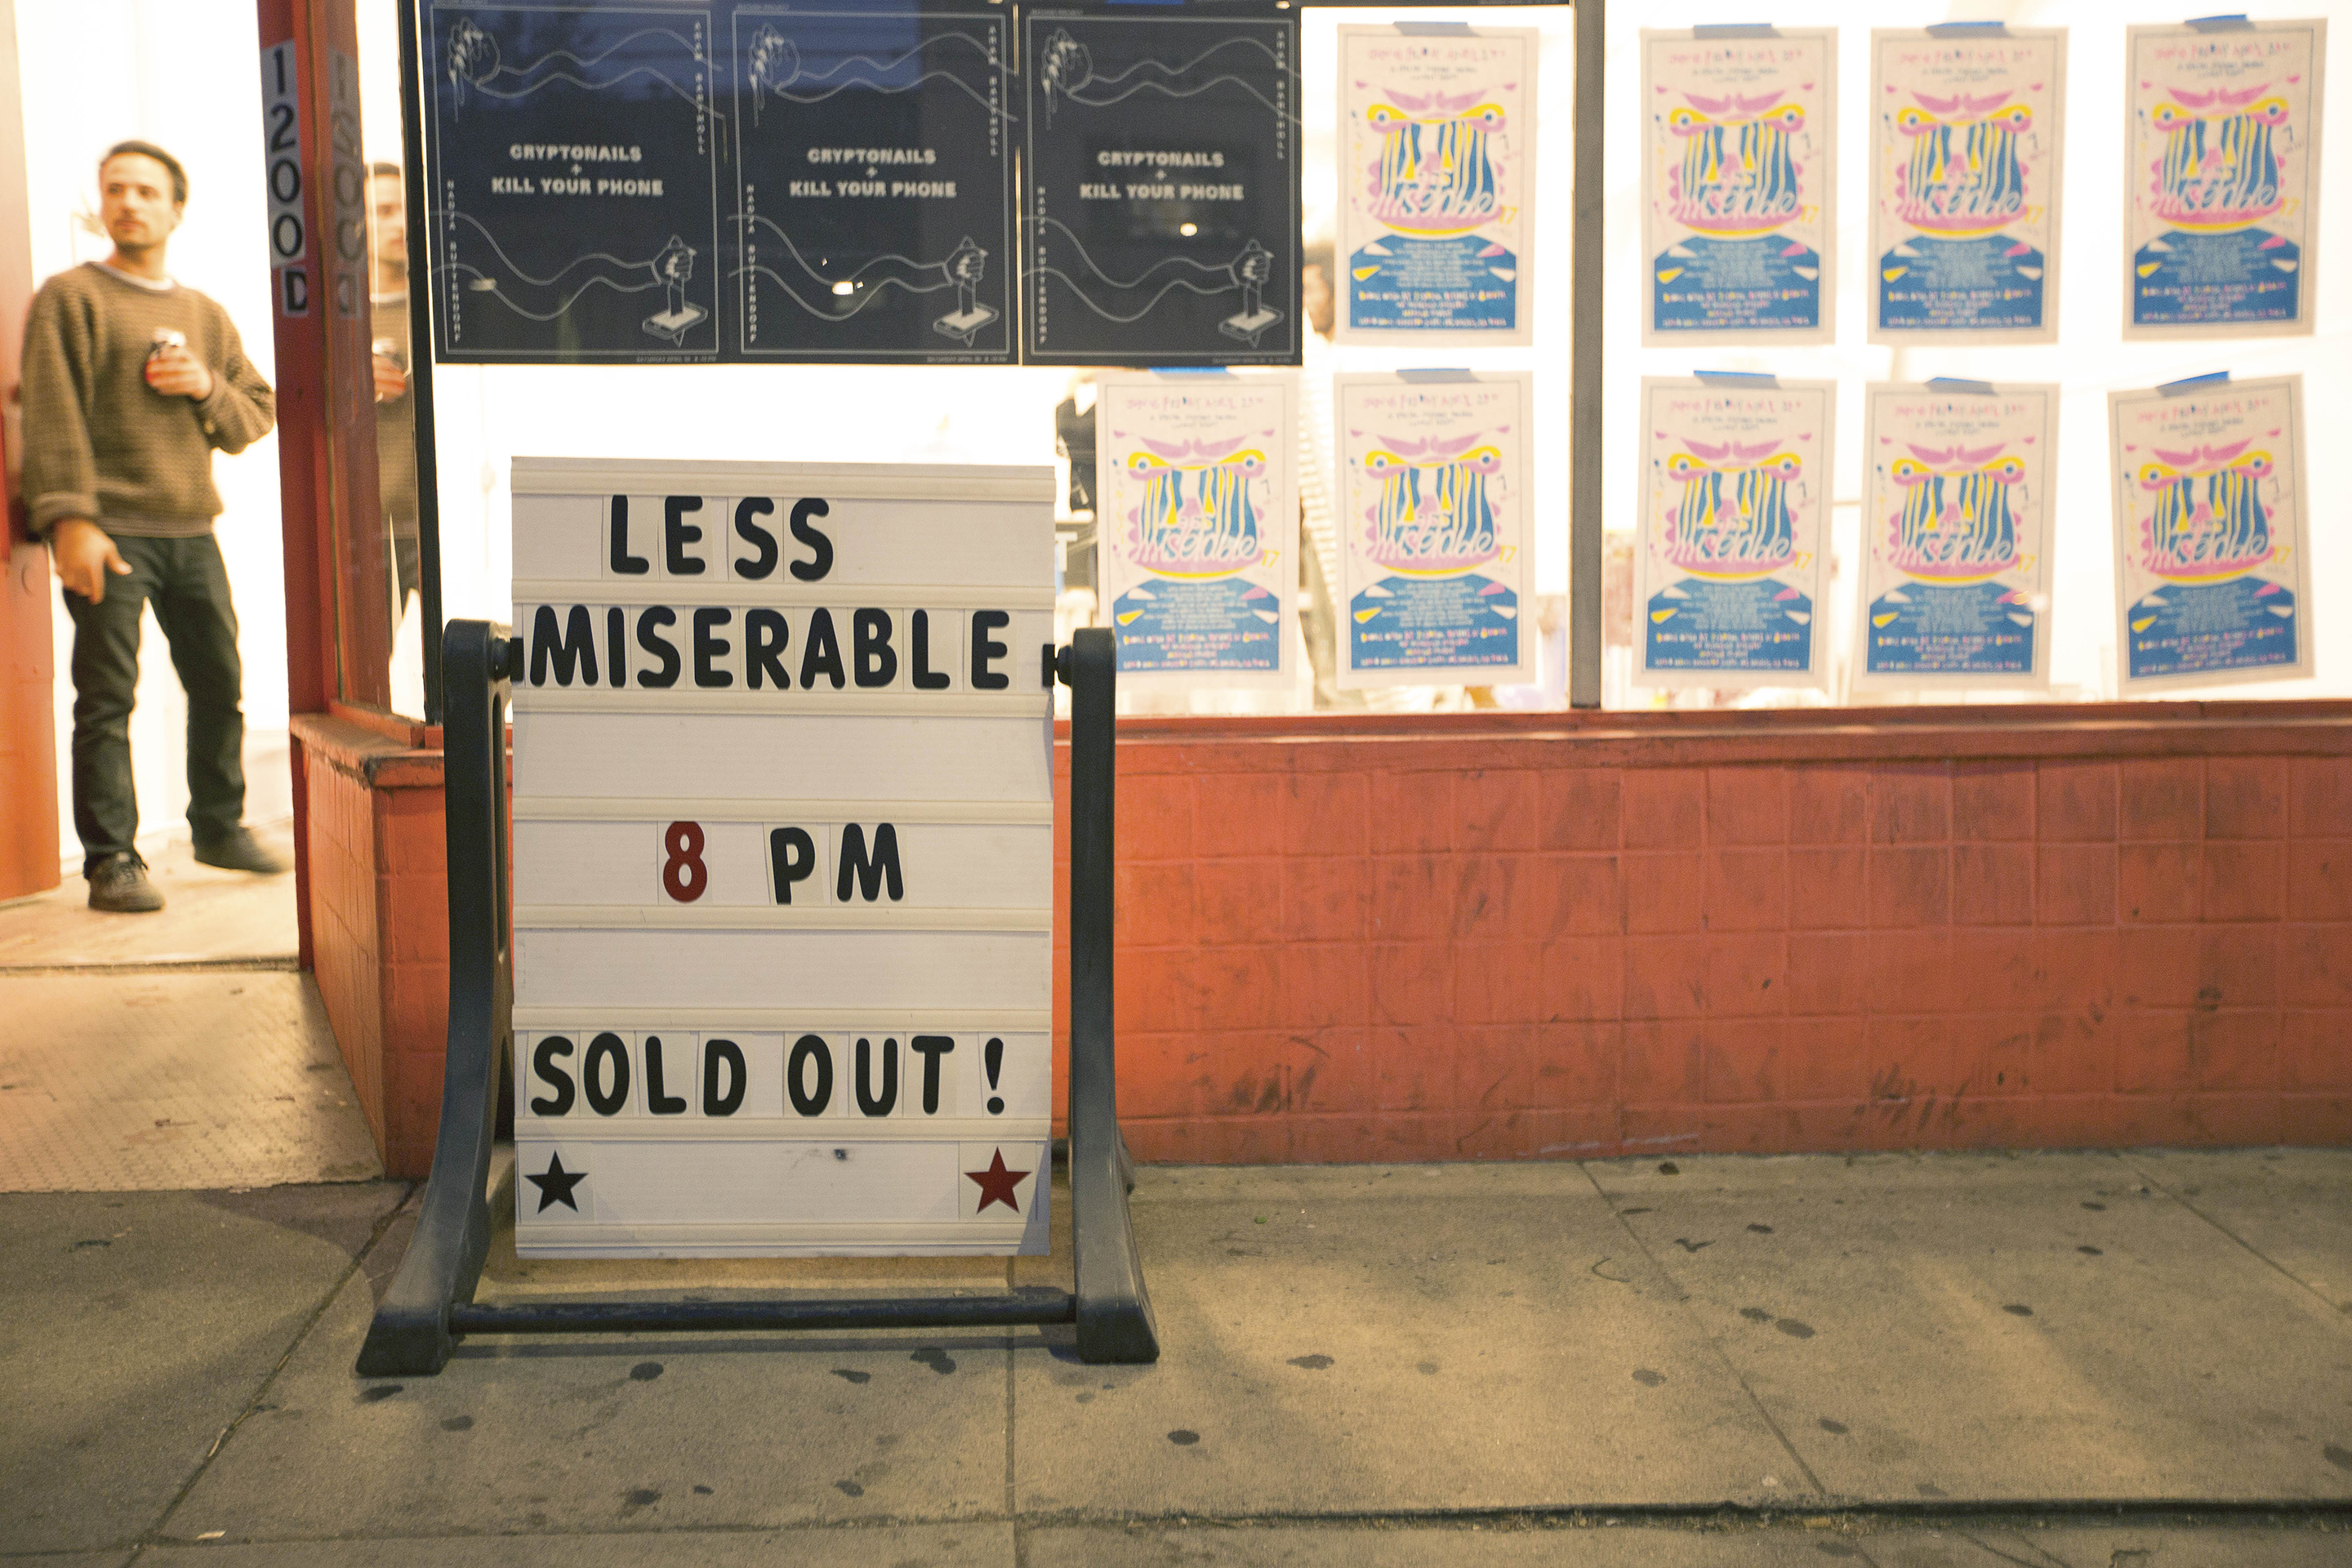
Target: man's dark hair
(383, 167)
(149, 150)
(1318, 253)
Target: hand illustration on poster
(876, 185)
(2210, 547)
(1956, 538)
(577, 148)
(1434, 503)
(1162, 222)
(1198, 526)
(1732, 547)
(2221, 177)
(1740, 180)
(1437, 185)
(1966, 134)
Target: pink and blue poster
(1966, 125)
(1197, 526)
(1434, 502)
(1956, 493)
(1437, 142)
(2210, 548)
(2221, 177)
(1740, 180)
(1732, 552)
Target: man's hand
(84, 555)
(175, 373)
(391, 381)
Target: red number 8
(684, 876)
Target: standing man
(130, 382)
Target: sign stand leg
(431, 1305)
(411, 1334)
(1115, 1322)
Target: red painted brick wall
(1560, 936)
(379, 924)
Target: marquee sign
(782, 858)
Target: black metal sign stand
(431, 1302)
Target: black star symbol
(555, 1187)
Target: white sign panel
(782, 858)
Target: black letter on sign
(760, 538)
(765, 633)
(678, 533)
(808, 1049)
(654, 644)
(576, 649)
(985, 647)
(626, 564)
(606, 1048)
(616, 647)
(715, 1053)
(931, 1047)
(791, 855)
(869, 875)
(815, 570)
(822, 656)
(878, 661)
(868, 1101)
(548, 1071)
(926, 678)
(708, 649)
(660, 1104)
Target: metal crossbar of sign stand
(431, 1303)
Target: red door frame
(28, 759)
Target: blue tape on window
(2231, 24)
(1953, 384)
(1433, 29)
(1969, 30)
(2192, 384)
(1735, 30)
(1191, 369)
(1421, 377)
(1738, 378)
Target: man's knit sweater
(99, 443)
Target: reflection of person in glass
(395, 412)
(131, 382)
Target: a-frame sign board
(431, 1305)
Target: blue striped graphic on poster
(1739, 184)
(576, 153)
(2210, 532)
(1967, 127)
(1434, 496)
(1732, 548)
(875, 181)
(1437, 147)
(1160, 203)
(1197, 526)
(2221, 177)
(1957, 488)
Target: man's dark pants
(188, 585)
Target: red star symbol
(996, 1184)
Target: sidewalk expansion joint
(2337, 1309)
(278, 963)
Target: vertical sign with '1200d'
(782, 858)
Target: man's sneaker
(119, 884)
(240, 851)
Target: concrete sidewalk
(2139, 1359)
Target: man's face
(388, 207)
(135, 201)
(1315, 294)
